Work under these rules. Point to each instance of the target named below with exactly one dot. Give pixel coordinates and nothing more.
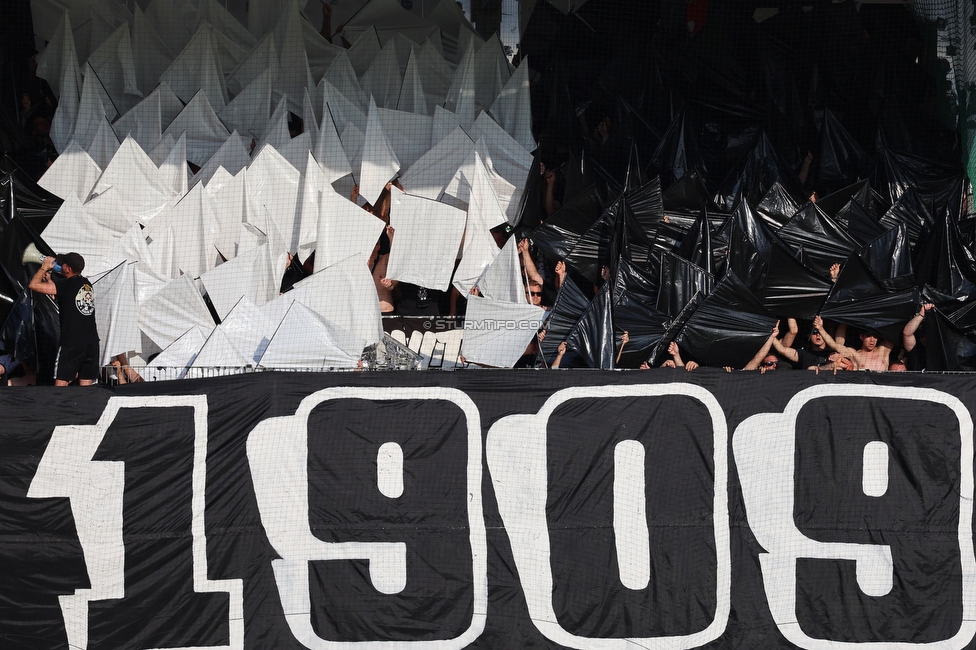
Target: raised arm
(623, 341)
(829, 340)
(791, 332)
(764, 350)
(908, 334)
(530, 269)
(41, 282)
(783, 348)
(560, 353)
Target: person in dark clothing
(78, 352)
(810, 356)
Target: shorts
(81, 360)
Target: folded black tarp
(592, 337)
(729, 326)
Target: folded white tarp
(307, 340)
(161, 151)
(117, 313)
(273, 186)
(196, 68)
(172, 362)
(496, 333)
(480, 248)
(115, 66)
(344, 229)
(426, 238)
(262, 59)
(173, 29)
(328, 150)
(73, 172)
(181, 239)
(252, 275)
(74, 229)
(513, 108)
(248, 330)
(94, 108)
(219, 356)
(69, 103)
(508, 157)
(461, 95)
(502, 280)
(104, 144)
(151, 55)
(379, 162)
(388, 18)
(204, 130)
(408, 133)
(227, 194)
(131, 247)
(365, 47)
(491, 72)
(429, 176)
(146, 120)
(412, 98)
(174, 169)
(59, 58)
(141, 190)
(382, 80)
(342, 78)
(171, 311)
(250, 110)
(344, 293)
(435, 74)
(232, 156)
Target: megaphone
(33, 256)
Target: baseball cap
(74, 260)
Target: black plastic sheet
(592, 337)
(677, 155)
(842, 159)
(946, 347)
(822, 241)
(729, 327)
(696, 245)
(559, 234)
(859, 223)
(21, 196)
(748, 250)
(886, 313)
(634, 293)
(912, 212)
(946, 265)
(647, 204)
(566, 310)
(680, 281)
(792, 290)
(776, 207)
(889, 258)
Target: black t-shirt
(76, 305)
(810, 357)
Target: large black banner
(490, 509)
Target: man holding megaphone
(78, 351)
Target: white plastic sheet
(174, 309)
(426, 238)
(117, 313)
(502, 280)
(273, 186)
(343, 229)
(251, 275)
(73, 172)
(379, 162)
(307, 340)
(496, 333)
(204, 130)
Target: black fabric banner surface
(490, 509)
